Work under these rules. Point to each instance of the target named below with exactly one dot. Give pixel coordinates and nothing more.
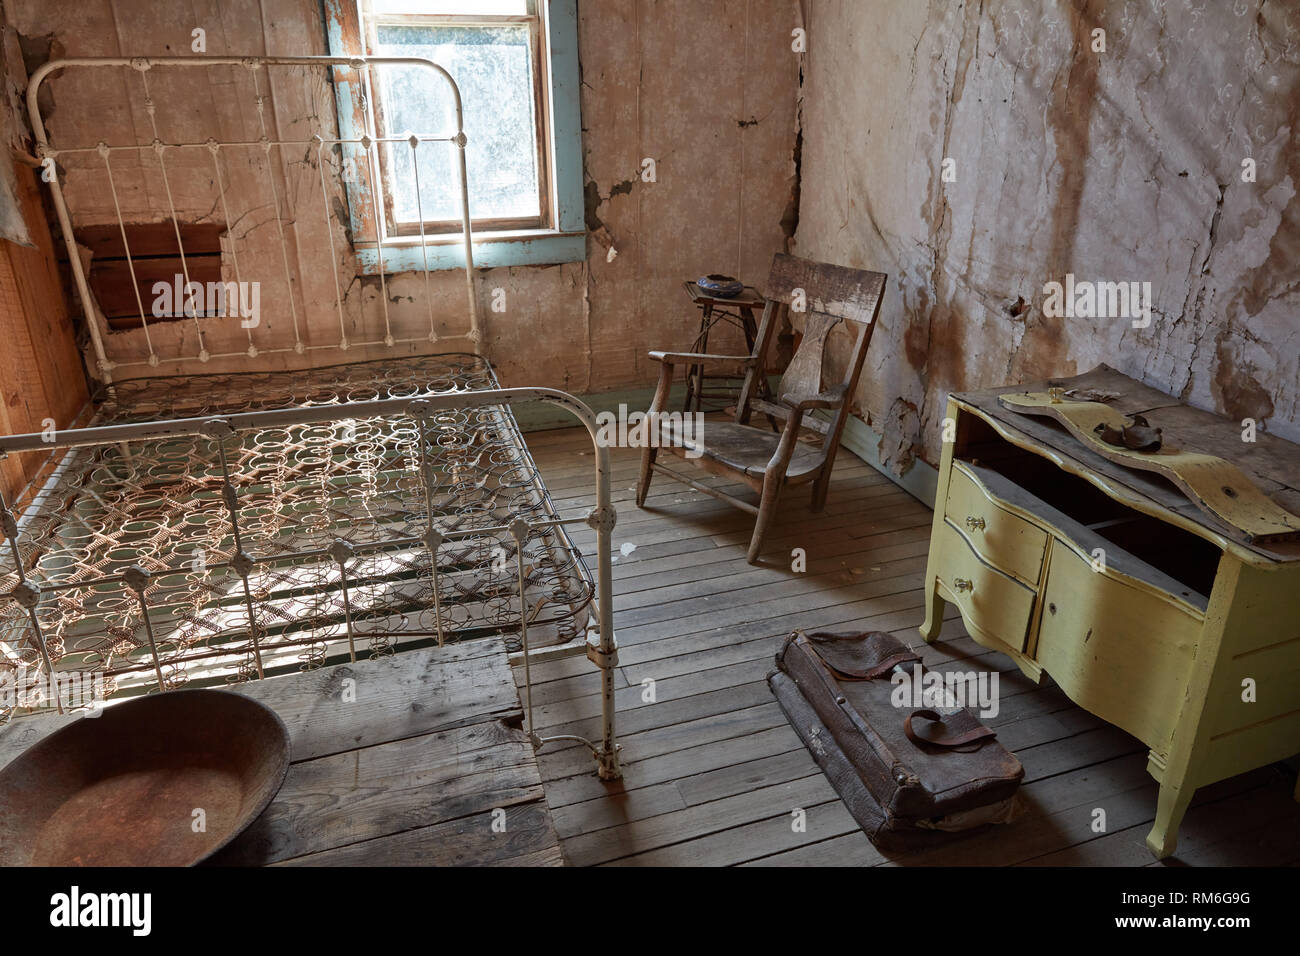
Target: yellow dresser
(1146, 610)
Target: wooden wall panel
(41, 375)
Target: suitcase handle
(976, 734)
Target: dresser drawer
(1004, 540)
(991, 603)
(1115, 648)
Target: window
(515, 62)
(494, 55)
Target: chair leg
(766, 513)
(647, 472)
(821, 488)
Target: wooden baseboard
(920, 480)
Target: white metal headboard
(368, 143)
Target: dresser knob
(963, 584)
(974, 523)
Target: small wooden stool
(738, 311)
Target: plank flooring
(415, 759)
(714, 774)
(433, 751)
(429, 766)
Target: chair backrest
(828, 295)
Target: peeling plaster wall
(706, 90)
(1122, 165)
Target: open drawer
(1003, 499)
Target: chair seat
(742, 447)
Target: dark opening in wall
(154, 257)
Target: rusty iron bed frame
(231, 526)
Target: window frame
(560, 233)
(533, 20)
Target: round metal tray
(164, 780)
(720, 286)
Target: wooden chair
(765, 460)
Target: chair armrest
(697, 358)
(831, 398)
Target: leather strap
(977, 733)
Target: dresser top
(1271, 463)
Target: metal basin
(123, 788)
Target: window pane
(493, 67)
(481, 8)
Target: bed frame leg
(605, 656)
(607, 765)
(604, 652)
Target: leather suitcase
(906, 774)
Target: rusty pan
(163, 780)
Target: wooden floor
(713, 773)
(418, 759)
(426, 765)
(431, 752)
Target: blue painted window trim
(566, 243)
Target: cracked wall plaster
(1123, 165)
